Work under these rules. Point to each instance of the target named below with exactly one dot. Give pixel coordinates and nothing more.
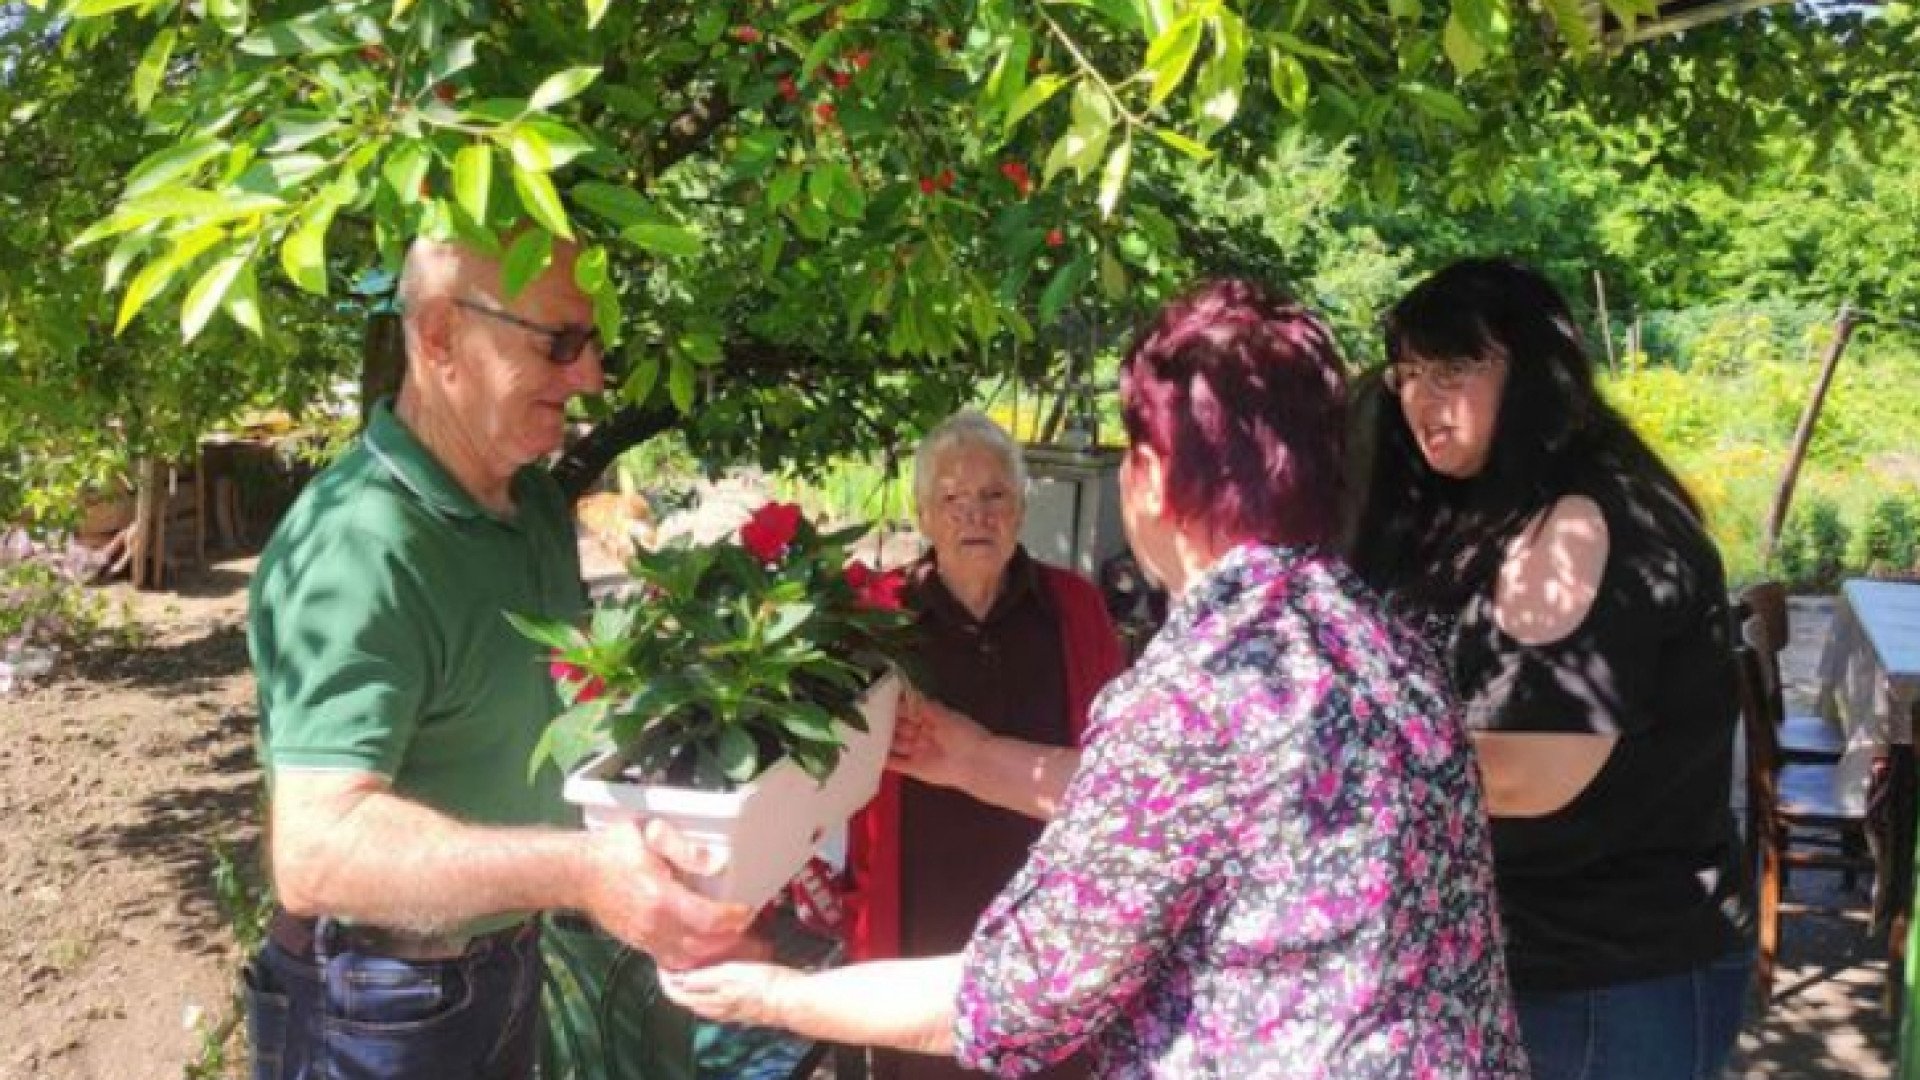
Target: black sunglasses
(564, 343)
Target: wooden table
(1872, 665)
(1870, 677)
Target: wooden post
(1783, 496)
(148, 546)
(1606, 321)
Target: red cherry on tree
(746, 35)
(1055, 238)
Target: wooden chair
(1794, 818)
(1807, 737)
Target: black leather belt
(296, 934)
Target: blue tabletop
(1889, 614)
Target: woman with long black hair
(1566, 576)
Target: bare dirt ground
(119, 777)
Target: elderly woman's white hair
(968, 427)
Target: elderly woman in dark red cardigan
(1012, 653)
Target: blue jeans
(343, 1015)
(1676, 1027)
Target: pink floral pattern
(1273, 861)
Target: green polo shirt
(379, 637)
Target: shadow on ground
(170, 670)
(177, 829)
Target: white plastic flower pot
(767, 829)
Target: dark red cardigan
(1093, 656)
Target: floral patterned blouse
(1273, 861)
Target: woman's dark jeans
(1678, 1027)
(344, 1015)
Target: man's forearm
(392, 862)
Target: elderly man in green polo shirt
(399, 710)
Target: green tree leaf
(529, 150)
(92, 9)
(153, 69)
(207, 295)
(662, 237)
(527, 258)
(473, 179)
(304, 254)
(1113, 178)
(1463, 48)
(541, 201)
(168, 164)
(622, 206)
(680, 383)
(406, 170)
(562, 86)
(1171, 54)
(1037, 93)
(243, 301)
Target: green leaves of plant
(1172, 53)
(304, 254)
(152, 69)
(530, 255)
(541, 201)
(1080, 149)
(207, 295)
(562, 86)
(473, 179)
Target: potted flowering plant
(741, 688)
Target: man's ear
(431, 340)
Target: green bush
(1891, 537)
(1812, 552)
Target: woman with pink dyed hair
(1271, 858)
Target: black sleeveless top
(1641, 874)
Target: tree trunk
(1606, 321)
(584, 461)
(383, 361)
(1783, 497)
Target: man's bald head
(450, 270)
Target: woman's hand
(735, 993)
(934, 744)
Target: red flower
(858, 575)
(1016, 174)
(772, 527)
(585, 687)
(746, 35)
(788, 89)
(1055, 238)
(885, 591)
